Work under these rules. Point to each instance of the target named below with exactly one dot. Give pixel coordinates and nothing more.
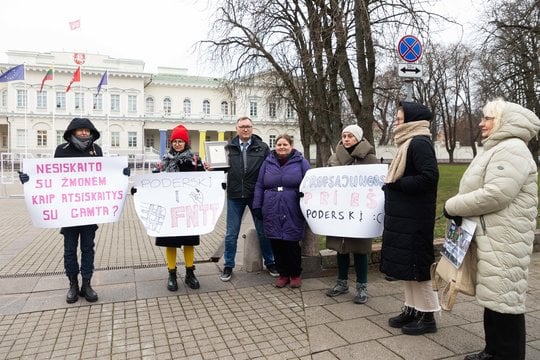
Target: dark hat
(415, 112)
(180, 132)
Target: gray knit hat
(355, 130)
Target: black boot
(73, 292)
(423, 324)
(407, 315)
(172, 285)
(86, 290)
(191, 280)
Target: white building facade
(135, 112)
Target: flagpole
(53, 115)
(81, 104)
(108, 121)
(25, 112)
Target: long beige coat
(364, 153)
(499, 192)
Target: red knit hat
(180, 132)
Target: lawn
(449, 176)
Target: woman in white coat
(499, 192)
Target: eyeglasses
(178, 142)
(244, 127)
(487, 118)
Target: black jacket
(67, 149)
(240, 183)
(407, 245)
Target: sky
(159, 32)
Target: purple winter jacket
(276, 193)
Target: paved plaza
(136, 317)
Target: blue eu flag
(15, 73)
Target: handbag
(451, 280)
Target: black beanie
(414, 111)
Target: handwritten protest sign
(179, 203)
(344, 200)
(75, 191)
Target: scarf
(173, 161)
(402, 138)
(81, 144)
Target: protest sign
(179, 203)
(344, 200)
(75, 191)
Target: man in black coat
(246, 154)
(80, 137)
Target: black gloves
(224, 186)
(23, 177)
(257, 213)
(133, 190)
(457, 219)
(126, 171)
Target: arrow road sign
(409, 70)
(410, 48)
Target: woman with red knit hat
(180, 158)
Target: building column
(221, 136)
(162, 142)
(202, 143)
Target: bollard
(252, 251)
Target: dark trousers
(360, 266)
(288, 257)
(87, 234)
(505, 335)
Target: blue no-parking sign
(410, 48)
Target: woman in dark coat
(276, 200)
(352, 149)
(180, 158)
(410, 201)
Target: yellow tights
(189, 256)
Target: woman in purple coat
(276, 201)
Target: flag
(76, 78)
(74, 25)
(48, 76)
(15, 73)
(104, 81)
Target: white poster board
(179, 203)
(344, 200)
(75, 191)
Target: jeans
(87, 234)
(235, 211)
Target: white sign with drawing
(179, 203)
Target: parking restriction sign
(410, 48)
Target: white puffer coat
(499, 192)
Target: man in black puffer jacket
(80, 137)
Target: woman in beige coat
(498, 191)
(353, 149)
